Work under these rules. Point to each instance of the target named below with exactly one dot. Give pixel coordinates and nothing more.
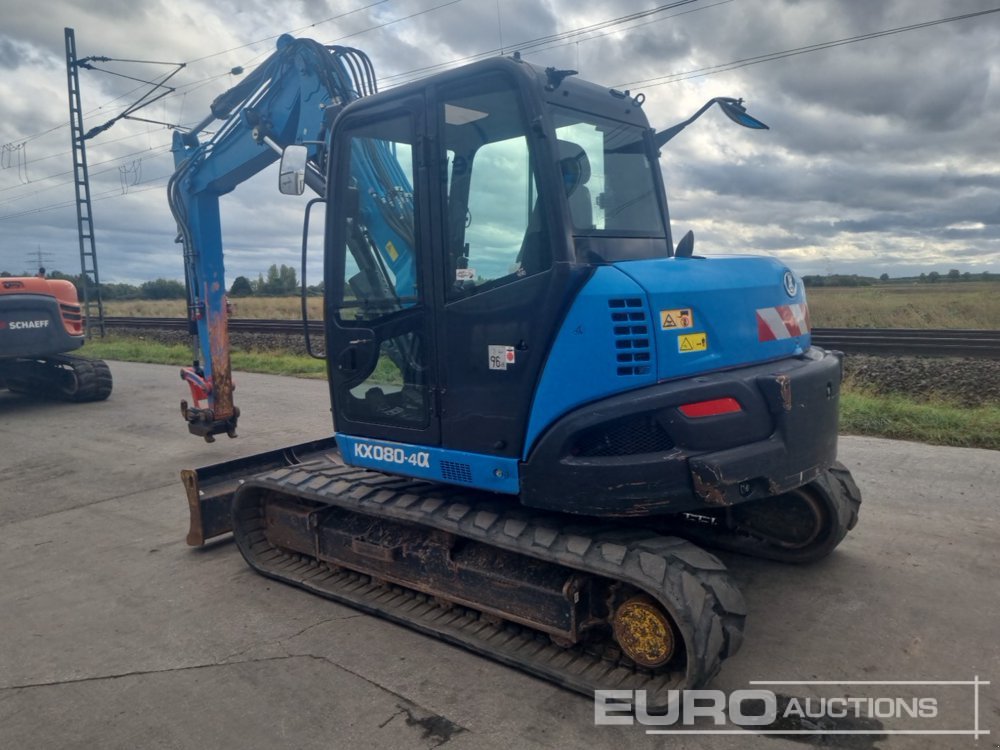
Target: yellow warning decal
(674, 319)
(692, 342)
(391, 249)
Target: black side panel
(637, 454)
(31, 326)
(485, 410)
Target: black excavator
(539, 399)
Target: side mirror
(735, 111)
(292, 172)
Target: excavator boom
(291, 98)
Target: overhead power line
(756, 60)
(155, 183)
(593, 29)
(551, 41)
(104, 142)
(291, 31)
(118, 161)
(184, 89)
(208, 57)
(188, 87)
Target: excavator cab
(505, 309)
(506, 185)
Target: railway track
(878, 341)
(911, 341)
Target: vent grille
(70, 312)
(625, 438)
(633, 354)
(453, 471)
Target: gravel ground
(967, 381)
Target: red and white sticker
(501, 356)
(782, 322)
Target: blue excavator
(543, 406)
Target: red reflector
(711, 408)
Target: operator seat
(575, 168)
(536, 249)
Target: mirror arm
(272, 144)
(315, 179)
(665, 135)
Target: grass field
(130, 349)
(862, 413)
(934, 422)
(271, 308)
(941, 305)
(974, 304)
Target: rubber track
(689, 582)
(843, 502)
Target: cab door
(380, 343)
(506, 280)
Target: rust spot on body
(222, 383)
(708, 490)
(785, 384)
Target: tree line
(280, 281)
(934, 277)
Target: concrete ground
(114, 634)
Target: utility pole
(93, 307)
(37, 259)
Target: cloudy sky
(882, 155)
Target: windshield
(607, 175)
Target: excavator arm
(291, 98)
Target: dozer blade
(584, 606)
(210, 489)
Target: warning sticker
(501, 357)
(674, 319)
(692, 342)
(392, 251)
(465, 274)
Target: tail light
(711, 408)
